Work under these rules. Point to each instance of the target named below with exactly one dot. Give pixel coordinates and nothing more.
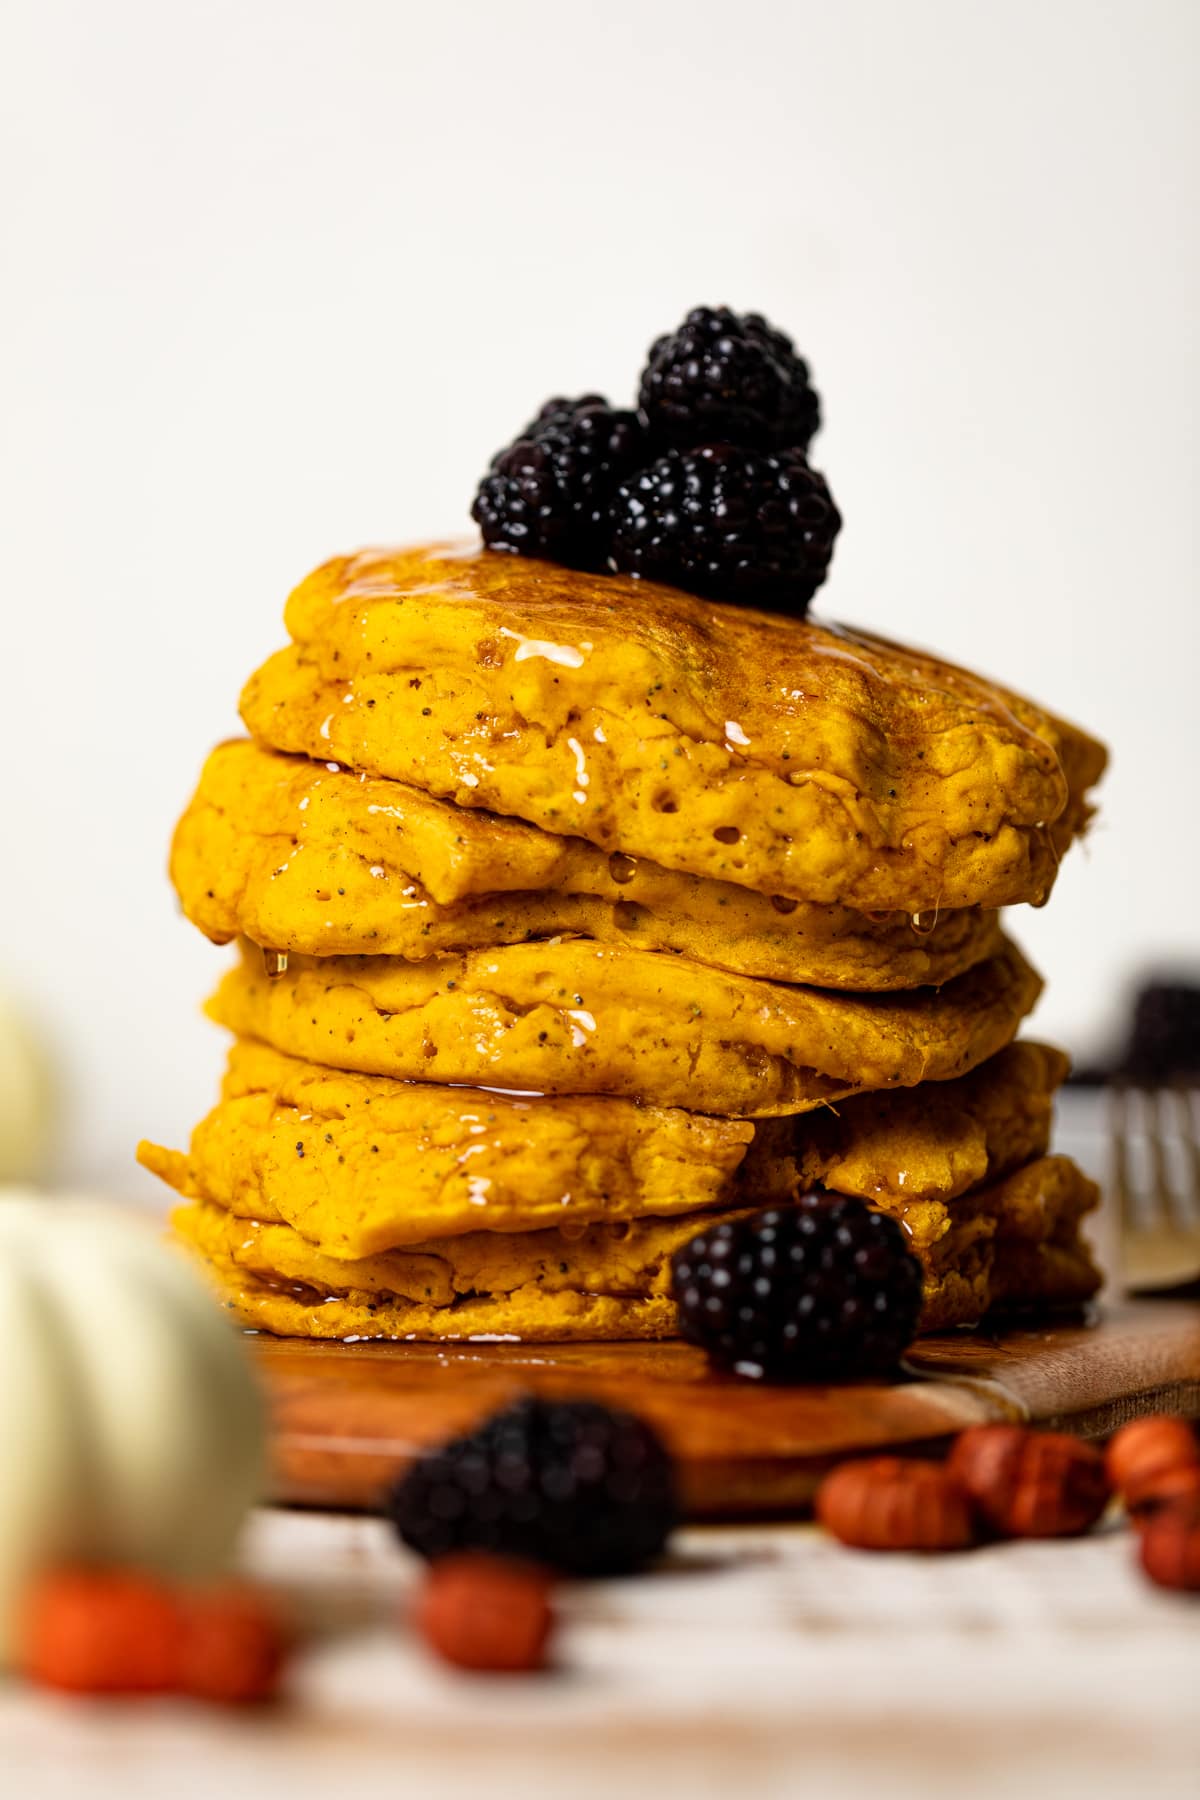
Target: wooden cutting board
(347, 1418)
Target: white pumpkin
(131, 1428)
(25, 1098)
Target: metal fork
(1154, 1145)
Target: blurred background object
(285, 275)
(1164, 1038)
(26, 1109)
(1156, 1037)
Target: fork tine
(1118, 1142)
(1154, 1144)
(1185, 1098)
(1160, 1196)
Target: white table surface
(762, 1661)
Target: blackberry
(548, 493)
(570, 1484)
(818, 1291)
(742, 525)
(725, 376)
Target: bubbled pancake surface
(573, 1017)
(787, 756)
(292, 854)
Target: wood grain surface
(347, 1418)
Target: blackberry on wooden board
(820, 1291)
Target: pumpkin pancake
(567, 1017)
(783, 755)
(613, 1280)
(303, 858)
(926, 1146)
(1014, 1244)
(359, 1165)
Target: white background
(279, 277)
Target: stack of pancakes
(575, 912)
